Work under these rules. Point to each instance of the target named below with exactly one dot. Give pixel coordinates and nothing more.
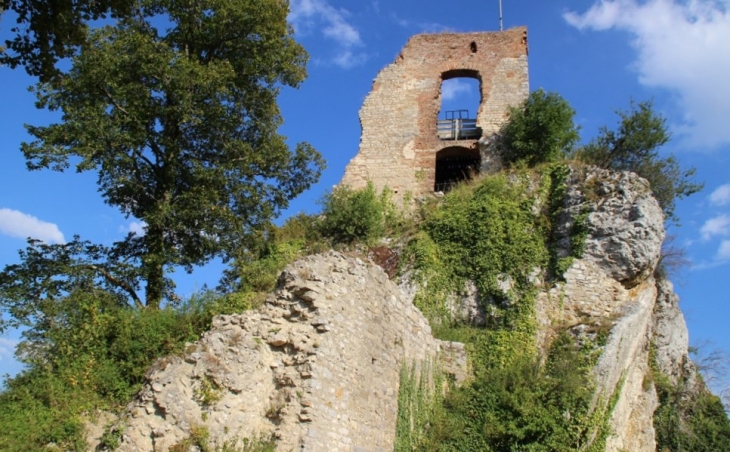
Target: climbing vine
(497, 233)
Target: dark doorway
(453, 165)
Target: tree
(539, 130)
(634, 146)
(49, 30)
(174, 106)
(32, 291)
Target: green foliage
(51, 30)
(111, 438)
(635, 146)
(255, 269)
(208, 393)
(357, 215)
(539, 130)
(34, 290)
(91, 354)
(523, 406)
(490, 232)
(200, 439)
(419, 395)
(689, 422)
(182, 130)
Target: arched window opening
(460, 100)
(453, 165)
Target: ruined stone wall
(399, 139)
(317, 367)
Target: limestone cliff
(318, 365)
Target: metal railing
(458, 129)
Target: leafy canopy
(49, 30)
(540, 130)
(174, 107)
(634, 146)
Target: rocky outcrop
(317, 367)
(612, 287)
(623, 222)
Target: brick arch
(455, 164)
(466, 72)
(461, 73)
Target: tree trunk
(153, 263)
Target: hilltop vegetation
(190, 146)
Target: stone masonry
(317, 367)
(399, 139)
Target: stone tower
(403, 144)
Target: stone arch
(455, 164)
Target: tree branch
(119, 283)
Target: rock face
(612, 286)
(623, 222)
(317, 367)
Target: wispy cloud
(15, 223)
(7, 348)
(721, 195)
(419, 27)
(136, 227)
(453, 88)
(683, 47)
(332, 23)
(723, 252)
(716, 226)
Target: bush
(524, 406)
(634, 146)
(357, 215)
(92, 355)
(255, 269)
(689, 422)
(540, 130)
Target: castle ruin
(404, 146)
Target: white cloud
(136, 227)
(15, 223)
(723, 253)
(453, 88)
(7, 348)
(719, 225)
(683, 47)
(721, 195)
(420, 27)
(305, 15)
(348, 59)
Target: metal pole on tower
(501, 28)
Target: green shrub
(539, 130)
(689, 422)
(419, 394)
(634, 146)
(522, 405)
(357, 215)
(485, 232)
(93, 356)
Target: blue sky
(596, 54)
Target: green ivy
(419, 395)
(496, 230)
